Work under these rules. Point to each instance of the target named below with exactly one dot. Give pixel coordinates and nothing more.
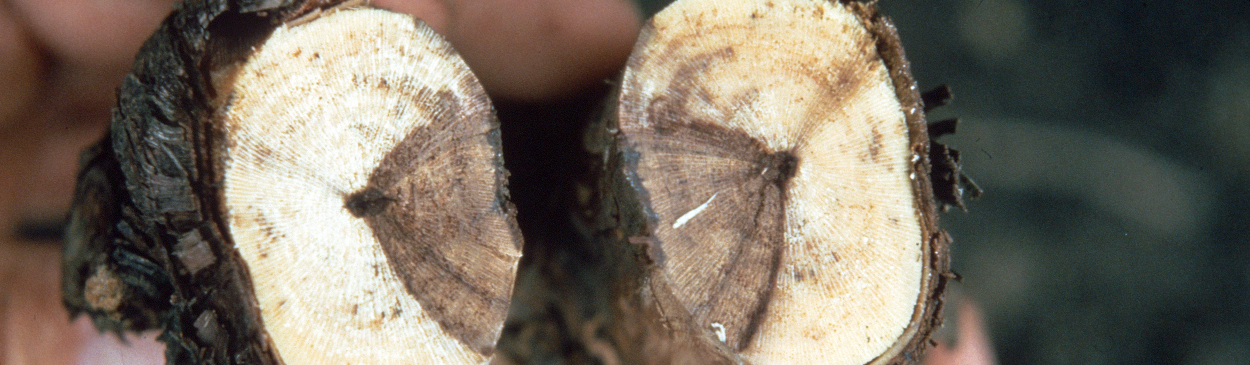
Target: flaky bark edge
(928, 314)
(147, 220)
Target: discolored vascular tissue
(298, 183)
(321, 182)
(771, 165)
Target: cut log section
(298, 183)
(778, 152)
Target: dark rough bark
(938, 253)
(144, 248)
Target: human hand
(973, 346)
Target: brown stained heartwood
(778, 150)
(324, 190)
(741, 226)
(758, 197)
(363, 184)
(419, 202)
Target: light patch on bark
(104, 291)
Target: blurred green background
(1113, 142)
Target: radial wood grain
(364, 191)
(777, 158)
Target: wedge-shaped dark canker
(361, 190)
(780, 150)
(334, 193)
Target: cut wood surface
(307, 182)
(776, 157)
(362, 188)
(299, 184)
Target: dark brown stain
(685, 160)
(738, 240)
(746, 219)
(267, 227)
(432, 206)
(874, 146)
(263, 153)
(367, 202)
(681, 158)
(802, 273)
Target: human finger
(538, 50)
(973, 346)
